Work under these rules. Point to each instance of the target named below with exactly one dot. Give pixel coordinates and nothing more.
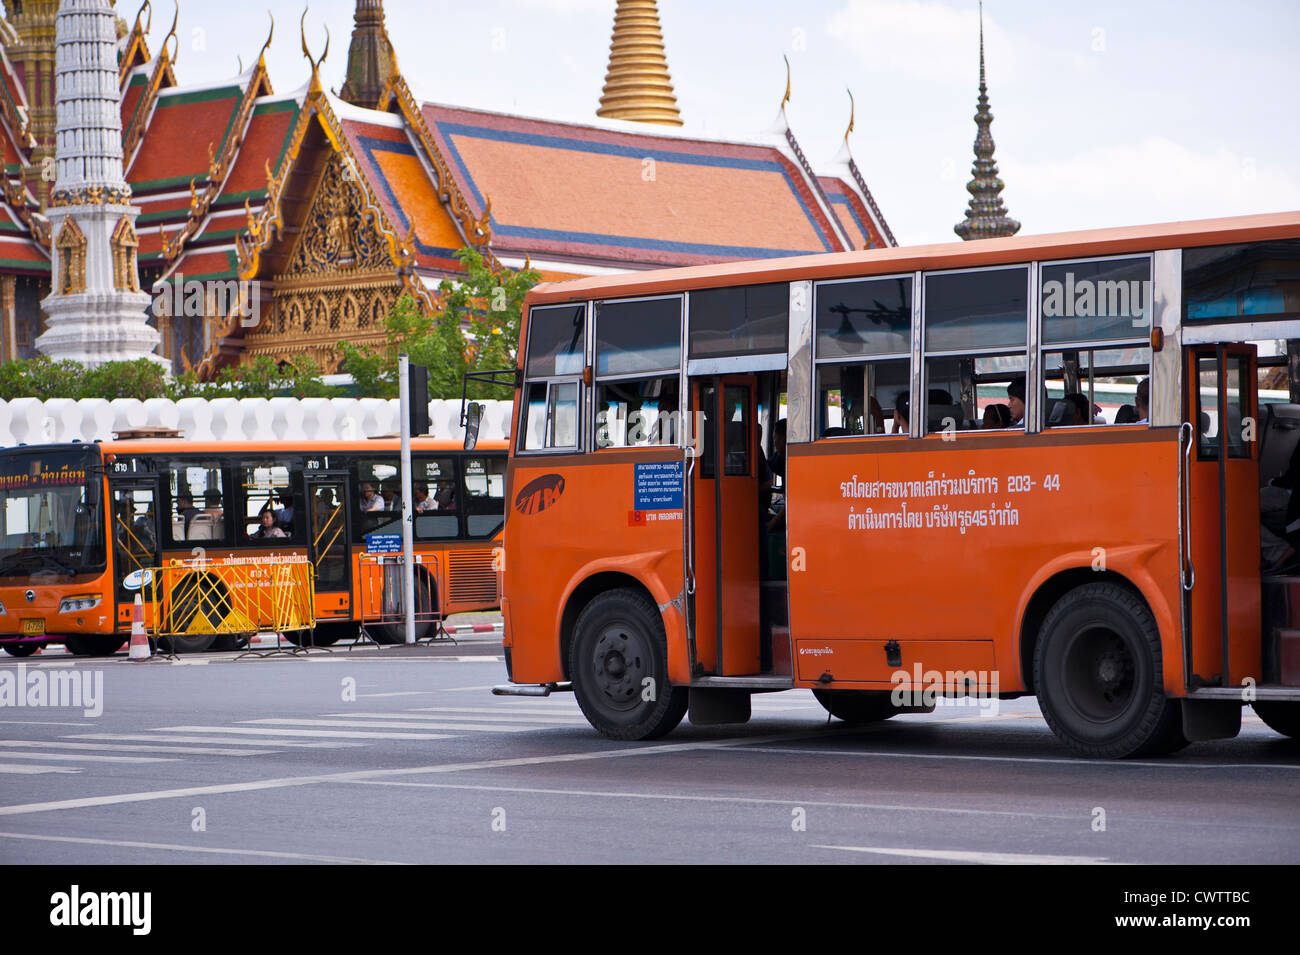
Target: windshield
(50, 513)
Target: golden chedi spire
(637, 84)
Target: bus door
(725, 539)
(329, 540)
(133, 513)
(1222, 607)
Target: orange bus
(1031, 465)
(79, 519)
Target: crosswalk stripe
(333, 734)
(417, 718)
(87, 757)
(139, 747)
(524, 709)
(19, 770)
(402, 725)
(208, 739)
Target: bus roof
(361, 447)
(1059, 245)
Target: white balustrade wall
(32, 421)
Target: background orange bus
(962, 504)
(78, 519)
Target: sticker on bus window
(657, 486)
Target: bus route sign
(383, 543)
(658, 486)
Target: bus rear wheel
(618, 662)
(94, 645)
(393, 633)
(857, 706)
(1281, 716)
(1097, 672)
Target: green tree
(476, 328)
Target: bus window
(638, 370)
(556, 352)
(1236, 375)
(435, 500)
(1092, 386)
(271, 503)
(870, 321)
(198, 500)
(742, 320)
(1096, 316)
(976, 328)
(645, 411)
(485, 495)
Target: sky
(1106, 113)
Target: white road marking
(85, 722)
(285, 782)
(21, 770)
(331, 734)
(209, 739)
(86, 757)
(980, 858)
(529, 709)
(1070, 761)
(402, 725)
(261, 853)
(748, 800)
(417, 719)
(142, 748)
(398, 693)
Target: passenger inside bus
(212, 505)
(370, 501)
(266, 527)
(284, 513)
(388, 493)
(1016, 401)
(1127, 414)
(996, 416)
(1140, 400)
(422, 500)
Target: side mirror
(473, 418)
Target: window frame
(591, 433)
(551, 382)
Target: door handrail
(1186, 570)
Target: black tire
(231, 641)
(393, 633)
(1281, 716)
(325, 634)
(1098, 676)
(618, 643)
(192, 594)
(25, 649)
(94, 645)
(857, 706)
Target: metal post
(408, 535)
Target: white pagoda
(96, 310)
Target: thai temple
(324, 207)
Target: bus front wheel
(1097, 672)
(1281, 716)
(94, 645)
(24, 649)
(619, 666)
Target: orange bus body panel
(887, 539)
(569, 515)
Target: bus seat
(202, 528)
(1277, 440)
(178, 529)
(1057, 412)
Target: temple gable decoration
(71, 246)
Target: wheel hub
(619, 663)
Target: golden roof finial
(261, 56)
(171, 34)
(786, 98)
(316, 86)
(637, 84)
(852, 109)
(145, 11)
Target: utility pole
(408, 526)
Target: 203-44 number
(1023, 483)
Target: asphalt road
(403, 756)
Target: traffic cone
(140, 649)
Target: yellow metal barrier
(232, 596)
